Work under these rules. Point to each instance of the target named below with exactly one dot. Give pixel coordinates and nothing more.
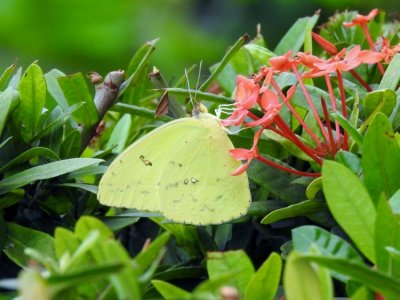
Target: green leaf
(351, 206)
(29, 154)
(71, 145)
(8, 101)
(6, 76)
(302, 281)
(32, 90)
(373, 279)
(295, 36)
(303, 208)
(277, 182)
(146, 257)
(391, 78)
(19, 238)
(313, 188)
(260, 55)
(169, 291)
(85, 274)
(54, 88)
(349, 160)
(225, 60)
(87, 224)
(349, 128)
(220, 263)
(76, 90)
(45, 171)
(265, 282)
(86, 187)
(387, 234)
(381, 159)
(379, 101)
(120, 135)
(306, 237)
(65, 242)
(116, 223)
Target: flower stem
(333, 103)
(328, 125)
(286, 169)
(293, 138)
(371, 44)
(312, 106)
(344, 108)
(294, 112)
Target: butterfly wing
(182, 169)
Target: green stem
(228, 56)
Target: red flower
(271, 106)
(246, 154)
(282, 63)
(361, 20)
(387, 51)
(247, 93)
(325, 44)
(339, 63)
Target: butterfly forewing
(182, 169)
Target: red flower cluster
(262, 92)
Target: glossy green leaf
(220, 263)
(349, 128)
(218, 68)
(375, 280)
(56, 119)
(303, 208)
(169, 291)
(71, 145)
(86, 187)
(387, 234)
(381, 159)
(116, 223)
(394, 203)
(65, 241)
(145, 258)
(45, 171)
(277, 182)
(306, 237)
(32, 90)
(8, 101)
(54, 88)
(351, 205)
(214, 288)
(349, 160)
(260, 55)
(313, 188)
(75, 90)
(391, 77)
(265, 282)
(295, 36)
(120, 135)
(379, 101)
(6, 76)
(19, 238)
(87, 224)
(302, 281)
(29, 154)
(185, 236)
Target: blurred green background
(100, 35)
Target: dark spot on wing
(186, 181)
(145, 161)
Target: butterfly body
(181, 169)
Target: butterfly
(181, 170)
